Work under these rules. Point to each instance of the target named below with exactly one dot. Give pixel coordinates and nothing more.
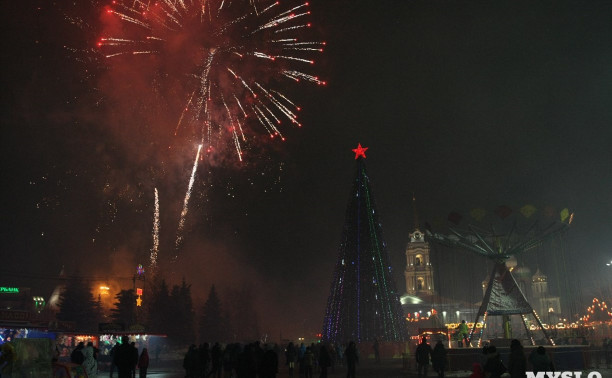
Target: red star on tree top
(360, 151)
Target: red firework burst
(226, 57)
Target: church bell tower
(419, 272)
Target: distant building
(18, 307)
(16, 298)
(546, 305)
(535, 289)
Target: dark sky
(464, 104)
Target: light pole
(608, 264)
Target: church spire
(415, 214)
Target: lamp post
(609, 264)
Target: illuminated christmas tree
(363, 304)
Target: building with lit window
(536, 291)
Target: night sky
(463, 104)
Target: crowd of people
(490, 363)
(231, 360)
(262, 361)
(125, 360)
(257, 360)
(492, 366)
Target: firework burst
(227, 61)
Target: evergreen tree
(183, 315)
(363, 304)
(77, 305)
(212, 325)
(171, 311)
(157, 306)
(99, 310)
(159, 315)
(124, 311)
(243, 319)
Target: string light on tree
(363, 303)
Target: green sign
(4, 289)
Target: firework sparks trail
(155, 248)
(179, 233)
(215, 50)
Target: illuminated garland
(529, 333)
(484, 322)
(540, 322)
(602, 306)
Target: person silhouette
(422, 354)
